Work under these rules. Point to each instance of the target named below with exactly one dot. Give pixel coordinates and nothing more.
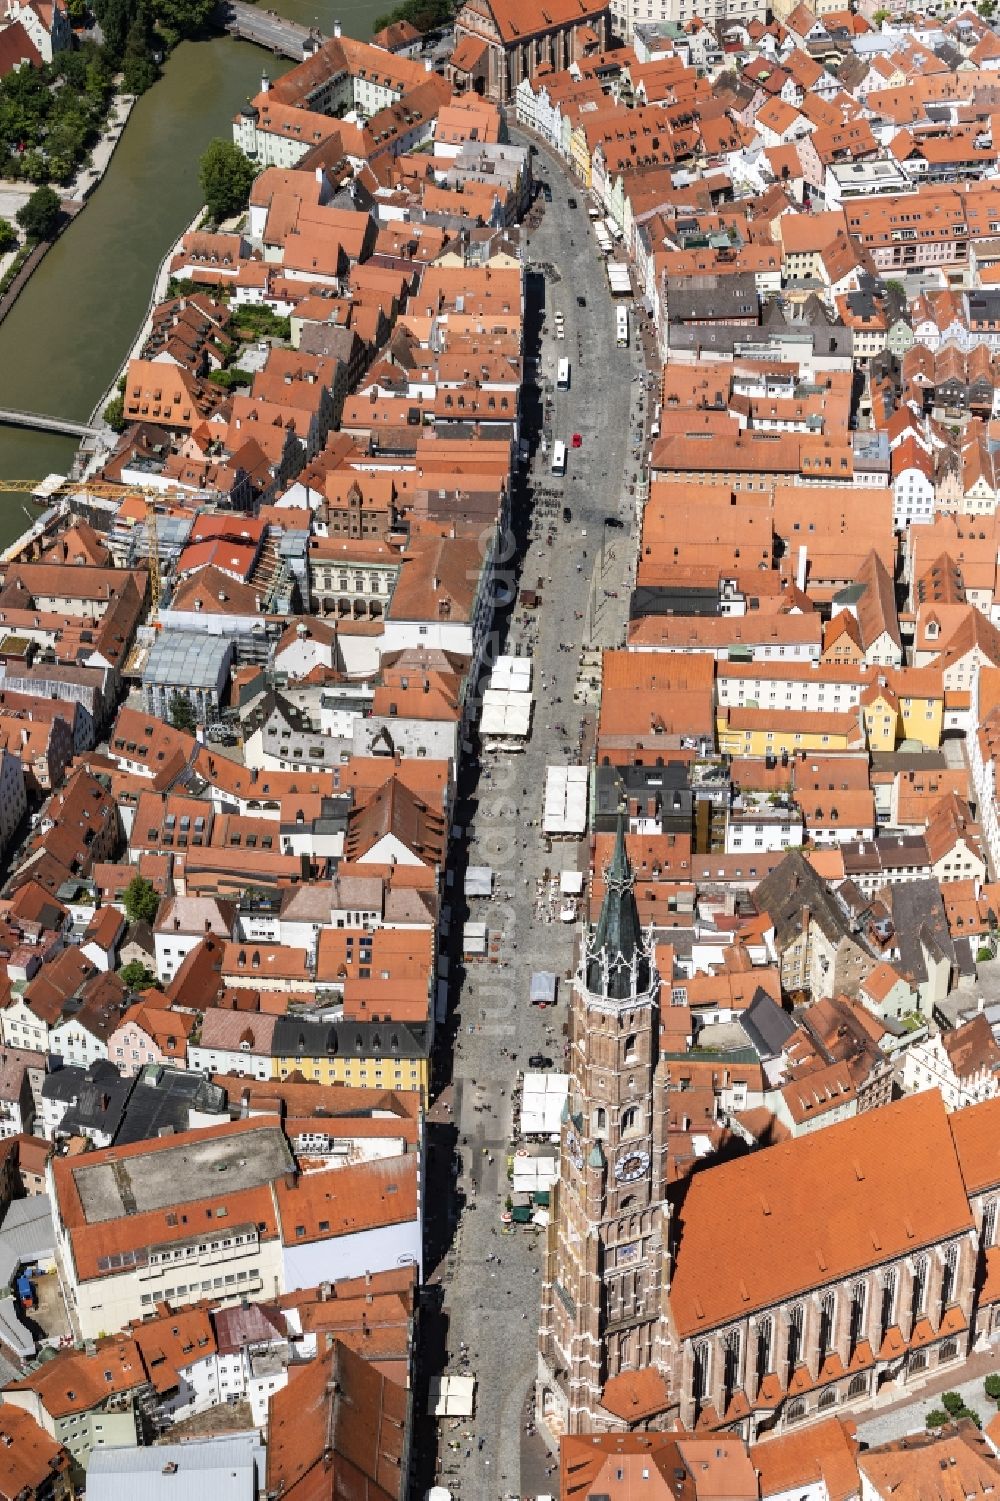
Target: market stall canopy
(474, 938)
(451, 1396)
(479, 881)
(543, 987)
(565, 800)
(542, 1099)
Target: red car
(577, 441)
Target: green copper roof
(617, 945)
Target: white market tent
(566, 790)
(474, 938)
(571, 882)
(451, 1396)
(506, 713)
(618, 279)
(512, 673)
(543, 987)
(479, 881)
(534, 1174)
(542, 1099)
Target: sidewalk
(86, 180)
(909, 1413)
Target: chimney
(265, 84)
(800, 570)
(337, 29)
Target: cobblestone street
(490, 1276)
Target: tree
(226, 177)
(141, 900)
(936, 1418)
(181, 18)
(986, 8)
(138, 67)
(8, 236)
(425, 15)
(114, 414)
(40, 215)
(952, 1402)
(991, 1386)
(137, 976)
(139, 72)
(114, 19)
(182, 715)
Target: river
(63, 342)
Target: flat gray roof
(197, 1168)
(27, 1234)
(229, 1468)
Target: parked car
(539, 1060)
(577, 440)
(567, 514)
(581, 302)
(613, 521)
(571, 202)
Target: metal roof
(227, 1469)
(191, 659)
(26, 1235)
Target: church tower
(604, 1297)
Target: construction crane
(108, 490)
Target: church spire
(617, 955)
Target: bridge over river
(41, 423)
(250, 23)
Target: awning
(566, 790)
(451, 1396)
(542, 1099)
(506, 712)
(479, 881)
(543, 987)
(474, 938)
(534, 1175)
(512, 673)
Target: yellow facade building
(373, 1055)
(772, 732)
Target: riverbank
(87, 179)
(73, 200)
(67, 338)
(161, 282)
